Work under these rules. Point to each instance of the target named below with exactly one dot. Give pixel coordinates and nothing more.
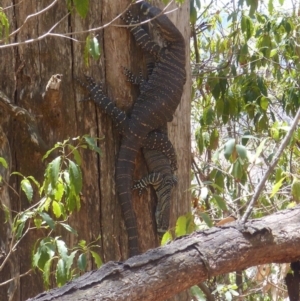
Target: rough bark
(28, 77)
(165, 271)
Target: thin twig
(12, 247)
(66, 35)
(277, 155)
(33, 15)
(17, 277)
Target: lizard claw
(139, 187)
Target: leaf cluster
(245, 67)
(59, 195)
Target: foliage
(4, 25)
(59, 196)
(81, 6)
(245, 60)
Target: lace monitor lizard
(160, 175)
(154, 107)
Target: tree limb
(160, 273)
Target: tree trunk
(189, 260)
(26, 71)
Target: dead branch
(160, 273)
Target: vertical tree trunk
(26, 70)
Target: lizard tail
(125, 167)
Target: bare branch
(17, 277)
(160, 273)
(66, 35)
(277, 155)
(32, 16)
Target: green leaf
(50, 151)
(4, 25)
(281, 2)
(199, 140)
(54, 169)
(38, 222)
(190, 223)
(216, 91)
(273, 52)
(56, 209)
(91, 142)
(219, 107)
(197, 292)
(206, 219)
(44, 252)
(247, 27)
(276, 187)
(262, 86)
(73, 201)
(219, 180)
(69, 228)
(94, 48)
(82, 7)
(209, 116)
(167, 237)
(7, 213)
(69, 260)
(228, 296)
(61, 273)
(86, 51)
(296, 190)
(220, 202)
(198, 4)
(237, 170)
(180, 228)
(17, 173)
(259, 150)
(242, 151)
(270, 7)
(82, 244)
(214, 139)
(264, 103)
(193, 13)
(81, 262)
(97, 259)
(229, 148)
(3, 162)
(34, 181)
(27, 188)
(62, 249)
(75, 176)
(253, 6)
(46, 217)
(19, 230)
(46, 272)
(66, 177)
(59, 190)
(20, 220)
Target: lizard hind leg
(153, 179)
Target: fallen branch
(163, 272)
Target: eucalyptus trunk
(40, 77)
